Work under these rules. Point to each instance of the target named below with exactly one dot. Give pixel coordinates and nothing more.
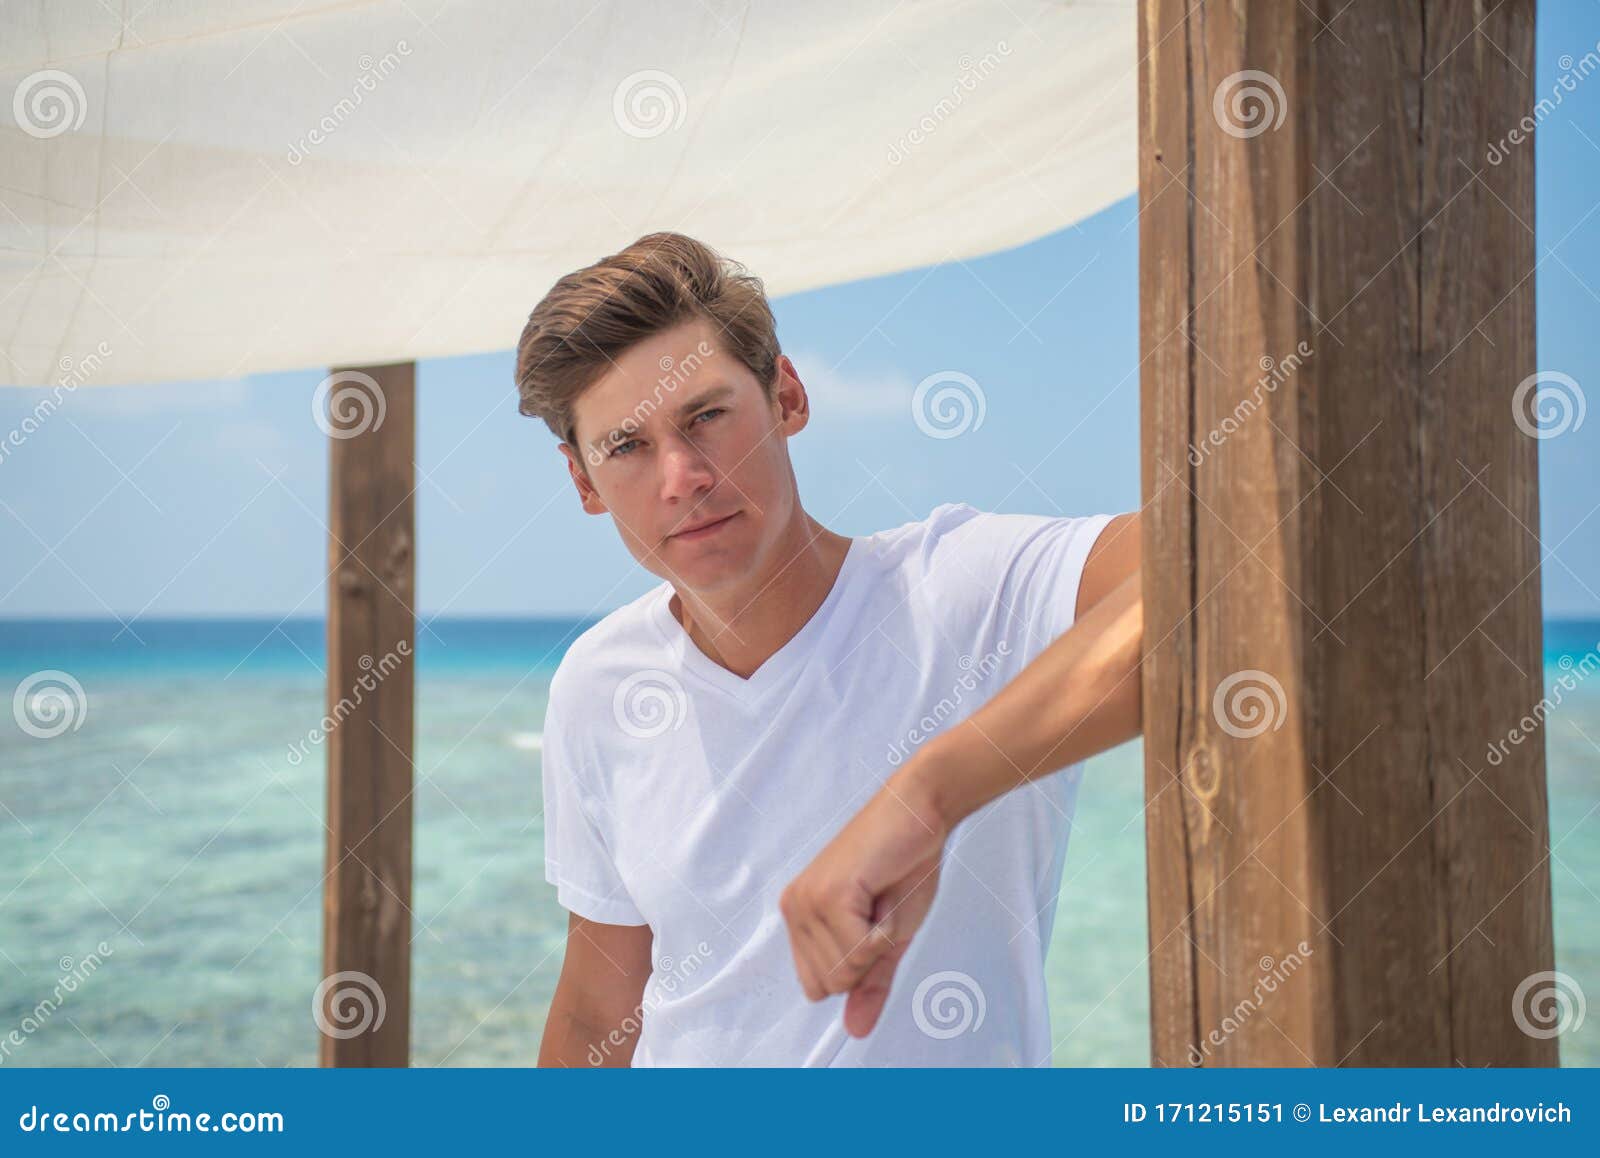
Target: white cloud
(841, 394)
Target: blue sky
(209, 498)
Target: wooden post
(1341, 559)
(362, 1008)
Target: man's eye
(706, 413)
(622, 448)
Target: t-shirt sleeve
(578, 857)
(1039, 562)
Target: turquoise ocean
(174, 821)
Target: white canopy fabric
(209, 188)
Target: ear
(789, 398)
(590, 498)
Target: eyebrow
(715, 393)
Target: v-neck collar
(778, 666)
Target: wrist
(933, 785)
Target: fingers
(813, 959)
(899, 913)
(854, 950)
(810, 960)
(866, 1000)
(827, 965)
(861, 900)
(833, 945)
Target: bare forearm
(1078, 698)
(585, 1041)
(597, 1009)
(852, 911)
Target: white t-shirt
(678, 795)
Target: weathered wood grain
(1341, 515)
(371, 647)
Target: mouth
(704, 530)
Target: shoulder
(622, 641)
(965, 562)
(955, 534)
(920, 539)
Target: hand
(852, 911)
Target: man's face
(689, 456)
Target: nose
(685, 473)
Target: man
(763, 776)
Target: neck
(741, 629)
